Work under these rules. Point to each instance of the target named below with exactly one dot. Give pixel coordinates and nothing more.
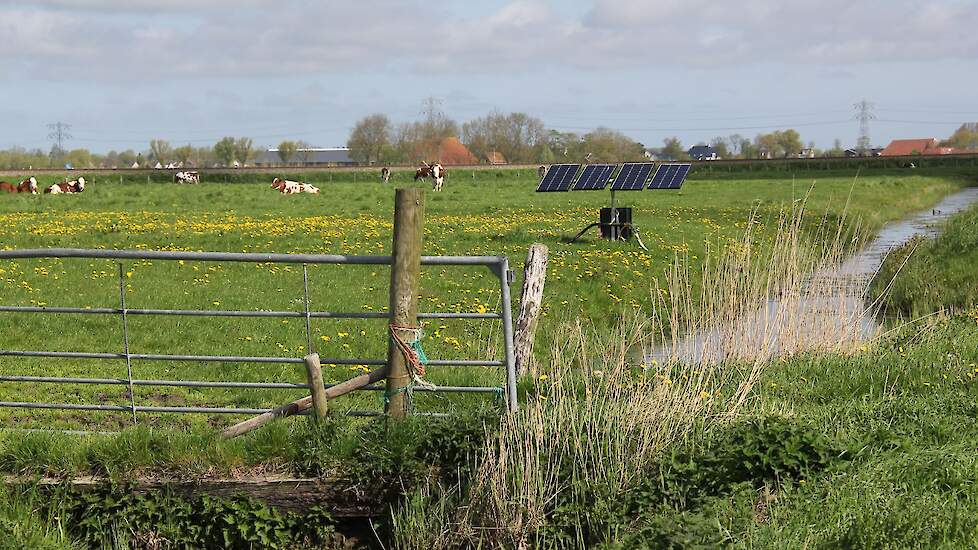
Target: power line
(130, 139)
(893, 121)
(714, 129)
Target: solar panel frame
(558, 178)
(632, 176)
(595, 177)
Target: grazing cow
(288, 187)
(74, 186)
(436, 171)
(385, 174)
(27, 186)
(187, 177)
(541, 171)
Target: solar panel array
(558, 178)
(594, 177)
(632, 176)
(669, 176)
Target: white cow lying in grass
(74, 186)
(289, 187)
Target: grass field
(869, 450)
(481, 214)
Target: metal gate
(499, 265)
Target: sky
(122, 72)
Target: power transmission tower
(59, 133)
(864, 114)
(431, 109)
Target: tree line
(225, 152)
(513, 137)
(516, 138)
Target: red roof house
(907, 147)
(451, 151)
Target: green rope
(388, 395)
(416, 346)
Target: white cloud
(127, 39)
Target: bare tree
(159, 150)
(518, 136)
(243, 150)
(183, 154)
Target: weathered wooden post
(531, 301)
(314, 373)
(405, 270)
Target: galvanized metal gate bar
(231, 313)
(499, 265)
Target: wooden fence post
(405, 269)
(314, 373)
(531, 301)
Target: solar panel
(558, 178)
(669, 176)
(632, 176)
(594, 177)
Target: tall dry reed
(612, 402)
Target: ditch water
(829, 312)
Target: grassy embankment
(929, 274)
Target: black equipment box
(624, 226)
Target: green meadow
(869, 450)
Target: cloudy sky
(124, 71)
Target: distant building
(495, 157)
(331, 156)
(874, 152)
(906, 147)
(451, 152)
(703, 152)
(655, 154)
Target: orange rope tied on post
(412, 350)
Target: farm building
(451, 151)
(905, 147)
(495, 157)
(330, 156)
(656, 154)
(703, 152)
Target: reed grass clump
(611, 402)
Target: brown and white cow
(435, 171)
(385, 174)
(74, 186)
(187, 177)
(289, 187)
(27, 186)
